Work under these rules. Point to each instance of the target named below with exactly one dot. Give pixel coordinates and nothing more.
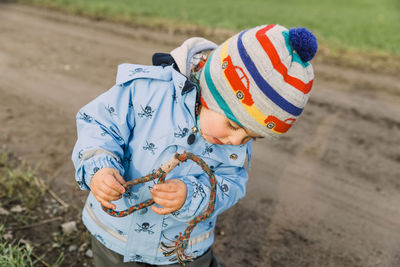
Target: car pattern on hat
(278, 126)
(239, 83)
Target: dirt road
(327, 194)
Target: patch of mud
(42, 136)
(240, 232)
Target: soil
(326, 194)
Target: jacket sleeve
(104, 127)
(231, 186)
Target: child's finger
(120, 180)
(106, 203)
(109, 189)
(112, 184)
(171, 187)
(109, 205)
(162, 211)
(165, 202)
(163, 195)
(105, 195)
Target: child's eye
(233, 127)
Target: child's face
(218, 129)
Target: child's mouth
(217, 141)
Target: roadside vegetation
(367, 26)
(36, 228)
(14, 254)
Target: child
(212, 101)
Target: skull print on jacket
(134, 127)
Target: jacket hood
(184, 53)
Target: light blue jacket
(134, 127)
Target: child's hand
(171, 196)
(106, 186)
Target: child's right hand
(106, 186)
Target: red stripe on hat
(203, 103)
(276, 62)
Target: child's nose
(237, 138)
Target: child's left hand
(171, 196)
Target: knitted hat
(261, 78)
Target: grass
(15, 255)
(19, 182)
(17, 186)
(367, 26)
(26, 239)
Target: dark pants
(104, 257)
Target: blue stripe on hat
(263, 84)
(214, 92)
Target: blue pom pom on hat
(304, 42)
(256, 80)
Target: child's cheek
(213, 127)
(217, 132)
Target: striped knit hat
(261, 78)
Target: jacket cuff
(90, 166)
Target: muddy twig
(39, 258)
(36, 224)
(59, 200)
(52, 193)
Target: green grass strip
(361, 25)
